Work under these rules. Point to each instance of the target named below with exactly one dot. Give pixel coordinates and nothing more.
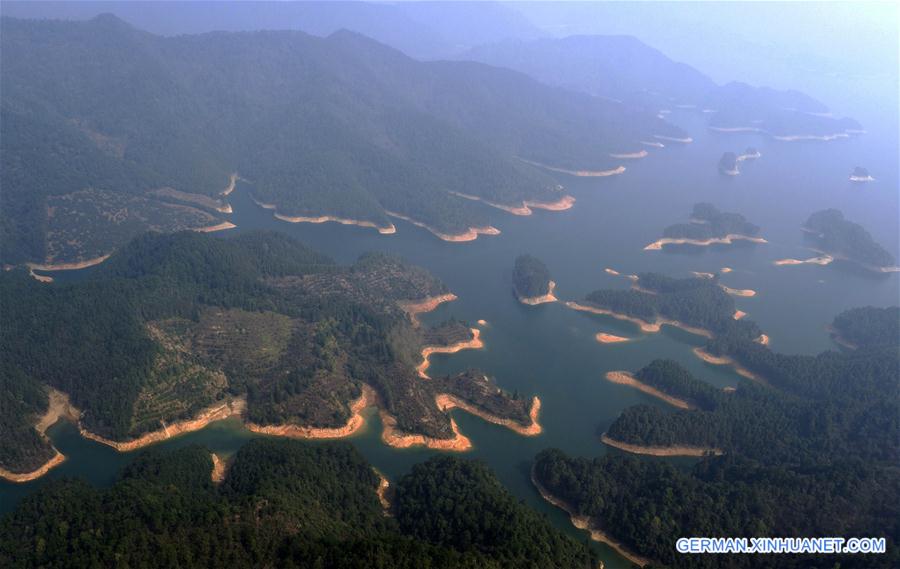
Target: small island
(697, 305)
(531, 281)
(728, 164)
(861, 175)
(844, 240)
(708, 226)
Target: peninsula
(708, 226)
(531, 281)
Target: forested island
(531, 281)
(699, 305)
(285, 503)
(708, 226)
(728, 164)
(109, 131)
(860, 174)
(812, 453)
(178, 330)
(845, 240)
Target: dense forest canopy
(844, 239)
(342, 126)
(693, 301)
(530, 277)
(708, 222)
(283, 504)
(172, 324)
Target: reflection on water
(550, 350)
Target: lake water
(550, 350)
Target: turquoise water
(550, 350)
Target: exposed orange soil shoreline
(738, 314)
(700, 275)
(414, 308)
(474, 344)
(584, 523)
(763, 339)
(391, 436)
(213, 228)
(647, 327)
(562, 204)
(687, 140)
(725, 360)
(58, 407)
(217, 412)
(446, 401)
(543, 299)
(74, 266)
(470, 234)
(786, 138)
(354, 423)
(820, 260)
(218, 470)
(605, 338)
(382, 490)
(725, 270)
(727, 240)
(677, 450)
(389, 230)
(840, 340)
(232, 181)
(579, 173)
(745, 292)
(616, 273)
(653, 144)
(626, 378)
(630, 155)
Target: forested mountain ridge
(626, 69)
(340, 126)
(173, 325)
(284, 504)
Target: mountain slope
(626, 69)
(340, 126)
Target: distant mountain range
(340, 126)
(624, 68)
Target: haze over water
(550, 350)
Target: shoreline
(745, 292)
(605, 338)
(470, 234)
(217, 412)
(429, 303)
(687, 140)
(58, 407)
(73, 266)
(726, 240)
(762, 340)
(579, 173)
(354, 423)
(584, 523)
(738, 314)
(821, 260)
(381, 491)
(630, 155)
(675, 450)
(474, 344)
(647, 327)
(728, 361)
(562, 204)
(446, 401)
(213, 228)
(395, 438)
(784, 137)
(862, 179)
(543, 299)
(628, 379)
(390, 230)
(232, 181)
(218, 470)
